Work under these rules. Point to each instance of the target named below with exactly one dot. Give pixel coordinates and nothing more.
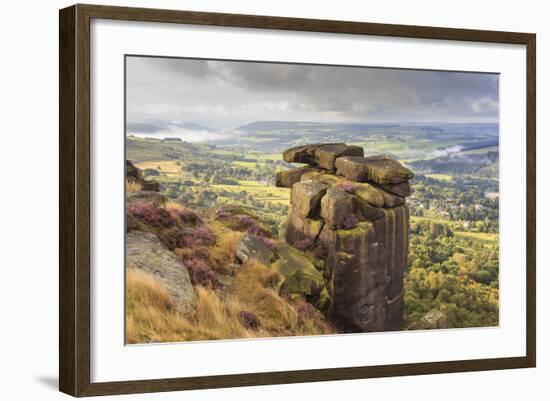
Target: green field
(438, 176)
(486, 237)
(244, 164)
(165, 167)
(258, 191)
(481, 151)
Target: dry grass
(133, 186)
(151, 317)
(150, 313)
(226, 243)
(170, 204)
(256, 289)
(252, 288)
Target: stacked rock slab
(352, 210)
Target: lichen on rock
(300, 277)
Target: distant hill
(490, 129)
(481, 165)
(152, 127)
(142, 149)
(405, 141)
(285, 125)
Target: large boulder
(368, 193)
(251, 247)
(366, 211)
(402, 189)
(353, 168)
(306, 197)
(379, 169)
(145, 252)
(321, 155)
(385, 170)
(339, 209)
(391, 200)
(327, 179)
(287, 178)
(337, 206)
(301, 154)
(299, 274)
(326, 155)
(301, 228)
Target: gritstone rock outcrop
(351, 211)
(133, 174)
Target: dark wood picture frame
(74, 199)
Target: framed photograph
(250, 200)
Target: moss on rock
(300, 274)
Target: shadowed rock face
(354, 209)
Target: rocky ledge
(351, 211)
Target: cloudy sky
(179, 96)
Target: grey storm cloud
(226, 94)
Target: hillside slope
(227, 256)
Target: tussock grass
(151, 316)
(170, 204)
(133, 186)
(150, 313)
(256, 288)
(226, 243)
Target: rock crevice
(354, 209)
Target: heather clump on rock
(354, 209)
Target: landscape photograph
(269, 199)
